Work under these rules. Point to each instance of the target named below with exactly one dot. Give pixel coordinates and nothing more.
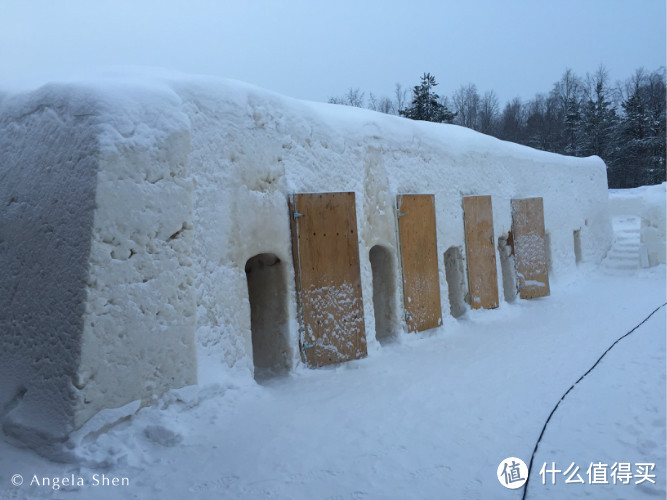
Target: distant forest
(623, 123)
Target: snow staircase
(624, 257)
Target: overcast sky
(313, 49)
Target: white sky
(313, 50)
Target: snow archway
(267, 293)
(507, 267)
(384, 292)
(456, 285)
(577, 245)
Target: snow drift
(131, 208)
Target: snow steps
(624, 257)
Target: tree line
(622, 123)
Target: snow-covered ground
(430, 416)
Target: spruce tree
(634, 131)
(598, 123)
(567, 91)
(425, 103)
(643, 132)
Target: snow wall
(131, 208)
(649, 204)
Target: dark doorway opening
(507, 267)
(384, 292)
(455, 276)
(267, 292)
(577, 245)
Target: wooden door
(530, 257)
(480, 252)
(419, 256)
(328, 280)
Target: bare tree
(466, 105)
(372, 101)
(488, 112)
(542, 122)
(512, 121)
(355, 97)
(400, 95)
(381, 104)
(385, 105)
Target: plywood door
(419, 255)
(480, 252)
(328, 279)
(530, 256)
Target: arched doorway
(267, 292)
(384, 292)
(456, 285)
(507, 267)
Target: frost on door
(328, 280)
(529, 248)
(419, 255)
(480, 252)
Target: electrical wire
(530, 467)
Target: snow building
(157, 231)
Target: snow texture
(131, 205)
(337, 308)
(48, 179)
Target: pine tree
(572, 126)
(634, 130)
(643, 132)
(599, 120)
(542, 127)
(567, 92)
(425, 103)
(656, 92)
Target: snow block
(98, 305)
(130, 207)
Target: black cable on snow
(530, 467)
